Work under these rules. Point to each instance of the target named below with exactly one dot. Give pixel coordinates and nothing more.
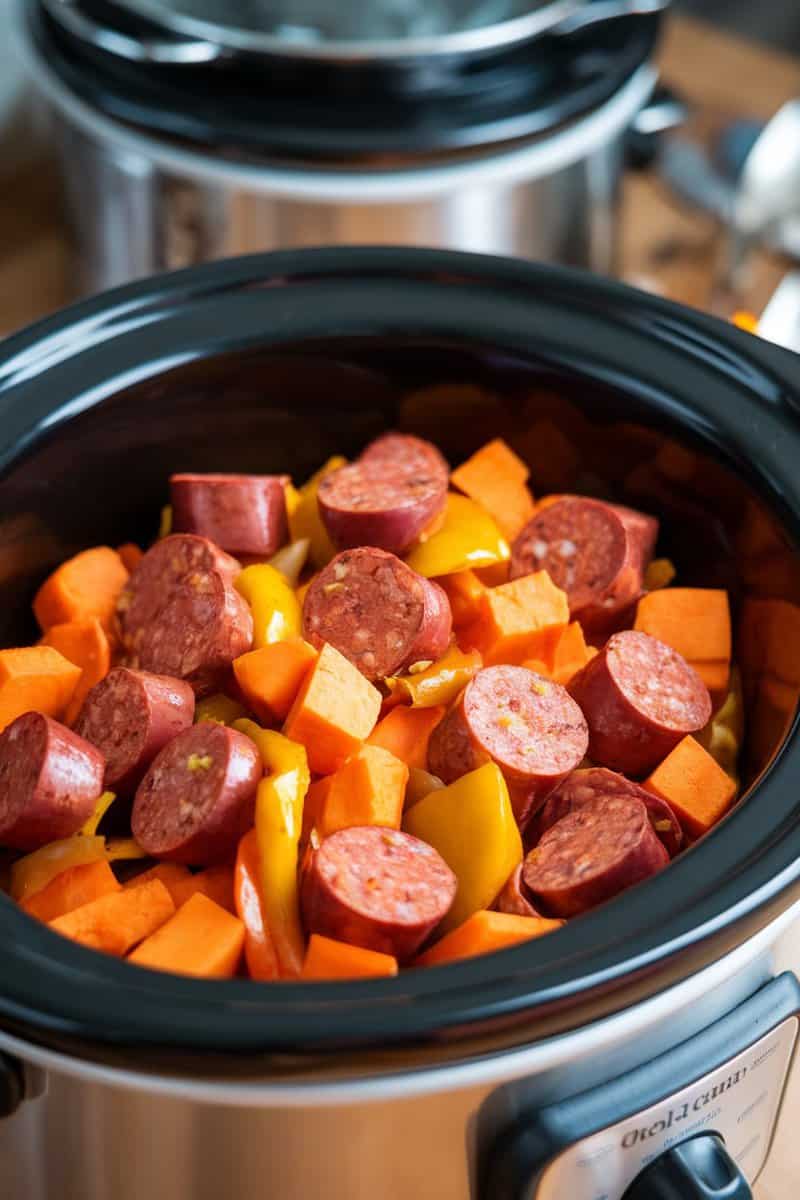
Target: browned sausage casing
(640, 698)
(129, 716)
(179, 613)
(50, 781)
(525, 723)
(377, 888)
(593, 854)
(198, 797)
(387, 497)
(584, 788)
(244, 514)
(377, 612)
(595, 552)
(514, 897)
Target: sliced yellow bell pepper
(33, 872)
(276, 612)
(123, 849)
(471, 824)
(291, 559)
(468, 538)
(222, 709)
(89, 829)
(165, 524)
(303, 513)
(439, 683)
(724, 733)
(279, 823)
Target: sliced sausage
(525, 723)
(514, 897)
(387, 497)
(593, 551)
(244, 514)
(50, 781)
(584, 788)
(129, 716)
(640, 698)
(377, 612)
(405, 452)
(378, 888)
(642, 530)
(179, 613)
(593, 854)
(198, 797)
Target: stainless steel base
(100, 1134)
(138, 205)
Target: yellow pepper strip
(471, 824)
(165, 525)
(100, 810)
(303, 513)
(276, 612)
(468, 538)
(724, 733)
(439, 683)
(279, 823)
(121, 849)
(659, 574)
(291, 559)
(222, 709)
(33, 872)
(420, 784)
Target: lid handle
(698, 1169)
(608, 10)
(163, 51)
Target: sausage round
(640, 698)
(50, 781)
(129, 716)
(584, 788)
(387, 497)
(377, 612)
(593, 854)
(244, 514)
(595, 552)
(525, 723)
(179, 613)
(198, 796)
(514, 898)
(377, 888)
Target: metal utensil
(780, 321)
(768, 193)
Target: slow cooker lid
(729, 390)
(321, 113)
(360, 29)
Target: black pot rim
(710, 900)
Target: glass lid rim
(540, 17)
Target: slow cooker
(640, 1052)
(193, 130)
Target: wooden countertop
(663, 247)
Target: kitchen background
(776, 22)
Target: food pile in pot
(395, 717)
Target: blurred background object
(776, 22)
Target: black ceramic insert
(274, 362)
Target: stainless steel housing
(138, 204)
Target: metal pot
(519, 153)
(557, 1068)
